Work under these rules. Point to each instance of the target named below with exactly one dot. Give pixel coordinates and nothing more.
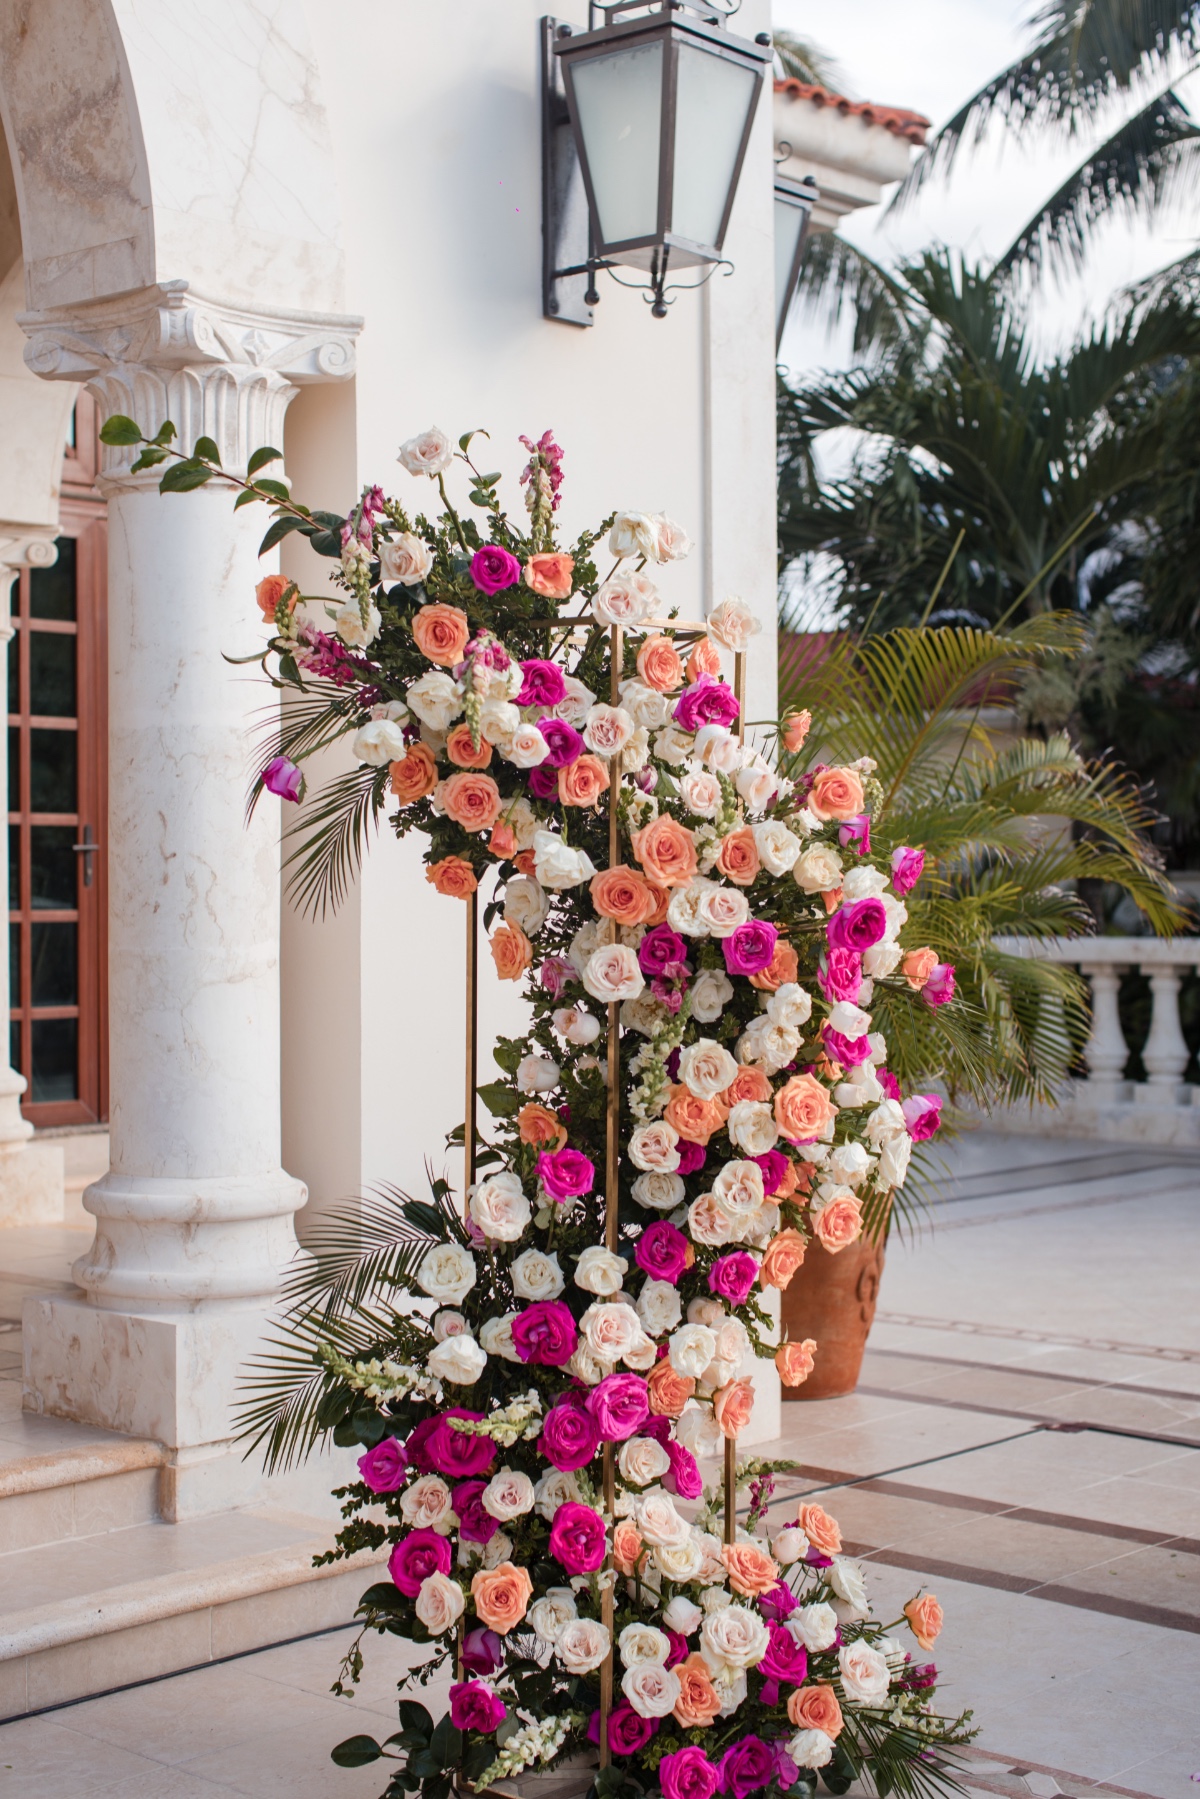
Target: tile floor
(1053, 1286)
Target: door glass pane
(51, 674)
(14, 966)
(52, 867)
(52, 590)
(14, 866)
(14, 769)
(55, 1058)
(54, 976)
(14, 678)
(52, 771)
(14, 1044)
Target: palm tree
(799, 59)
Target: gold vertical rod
(731, 1489)
(612, 1150)
(472, 1039)
(739, 691)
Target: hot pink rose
(620, 1405)
(578, 1539)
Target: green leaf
(276, 489)
(148, 458)
(447, 1744)
(184, 476)
(438, 1788)
(206, 447)
(414, 1716)
(326, 543)
(278, 530)
(120, 430)
(246, 499)
(166, 433)
(356, 1752)
(261, 457)
(424, 1764)
(464, 442)
(488, 480)
(501, 1101)
(478, 1757)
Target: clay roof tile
(896, 119)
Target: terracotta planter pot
(832, 1299)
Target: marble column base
(32, 1179)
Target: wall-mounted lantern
(645, 126)
(794, 201)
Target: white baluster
(1166, 1052)
(1106, 1051)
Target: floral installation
(539, 1375)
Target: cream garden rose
(599, 1271)
(537, 1275)
(458, 1360)
(447, 1273)
(499, 1207)
(582, 1645)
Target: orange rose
(749, 1083)
(416, 776)
(796, 1177)
(795, 1362)
(501, 1596)
(699, 1703)
(462, 752)
(833, 897)
(662, 899)
(503, 841)
(925, 1617)
(694, 1118)
(668, 1392)
(526, 864)
(815, 1708)
(732, 1406)
(836, 793)
(666, 851)
(627, 1546)
(549, 573)
(785, 966)
(917, 967)
(838, 1223)
(511, 950)
(751, 1570)
(471, 800)
(538, 1124)
(270, 591)
(821, 1530)
(795, 729)
(705, 659)
(659, 666)
(582, 782)
(803, 1108)
(452, 876)
(623, 894)
(738, 857)
(441, 633)
(783, 1255)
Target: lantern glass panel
(789, 223)
(713, 98)
(618, 98)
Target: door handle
(87, 849)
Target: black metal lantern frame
(574, 242)
(798, 198)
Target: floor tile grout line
(1019, 1371)
(1005, 1333)
(1047, 1420)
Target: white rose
(718, 748)
(406, 558)
(709, 1222)
(671, 541)
(448, 1324)
(881, 960)
(897, 916)
(380, 742)
(771, 1045)
(722, 910)
(732, 624)
(673, 746)
(447, 1273)
(752, 1128)
(522, 821)
(678, 1562)
(642, 1460)
(706, 1068)
(576, 702)
(599, 1271)
(575, 1025)
(536, 1275)
(848, 1582)
(816, 1626)
(555, 1489)
(849, 1162)
(627, 598)
(499, 1207)
(777, 846)
(608, 730)
(739, 1187)
(427, 454)
(659, 1307)
(864, 1674)
(525, 904)
(652, 1690)
(526, 748)
(642, 1354)
(699, 1432)
(810, 1749)
(850, 1020)
(706, 1311)
(701, 793)
(427, 1504)
(659, 1192)
(648, 708)
(682, 1616)
(610, 1330)
(439, 1604)
(551, 1614)
(642, 1644)
(657, 1519)
(757, 783)
(712, 1561)
(789, 1006)
(691, 1349)
(817, 869)
(585, 940)
(655, 1148)
(711, 993)
(733, 1342)
(864, 882)
(537, 1074)
(885, 1123)
(636, 753)
(435, 699)
(634, 534)
(893, 1161)
(459, 1360)
(733, 1637)
(509, 1494)
(791, 1545)
(557, 865)
(612, 974)
(582, 1645)
(495, 1336)
(350, 628)
(683, 909)
(860, 1088)
(497, 1549)
(731, 1688)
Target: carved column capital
(216, 370)
(21, 546)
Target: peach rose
(627, 1547)
(732, 1406)
(749, 1083)
(925, 1617)
(538, 1124)
(270, 591)
(501, 1596)
(797, 1177)
(822, 1531)
(838, 1224)
(549, 573)
(463, 753)
(815, 1708)
(785, 966)
(833, 897)
(659, 666)
(526, 864)
(666, 851)
(441, 633)
(623, 894)
(795, 1362)
(699, 1703)
(751, 1570)
(803, 1108)
(668, 1391)
(452, 876)
(738, 858)
(471, 800)
(582, 782)
(917, 967)
(705, 659)
(783, 1255)
(795, 729)
(662, 900)
(416, 776)
(835, 793)
(694, 1118)
(511, 950)
(503, 841)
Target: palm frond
(306, 719)
(334, 832)
(800, 60)
(366, 1247)
(837, 278)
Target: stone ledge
(1123, 1121)
(66, 1467)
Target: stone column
(194, 1218)
(31, 1175)
(1106, 1052)
(1165, 1054)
